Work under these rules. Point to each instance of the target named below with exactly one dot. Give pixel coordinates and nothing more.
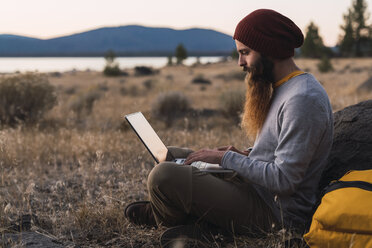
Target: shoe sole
(132, 204)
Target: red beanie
(269, 33)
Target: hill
(132, 40)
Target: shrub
(232, 104)
(83, 103)
(180, 54)
(112, 71)
(112, 68)
(169, 77)
(25, 98)
(123, 91)
(201, 80)
(234, 75)
(148, 84)
(325, 65)
(70, 90)
(133, 90)
(169, 106)
(143, 71)
(103, 86)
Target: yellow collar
(286, 78)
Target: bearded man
(288, 113)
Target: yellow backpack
(344, 216)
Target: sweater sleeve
(302, 121)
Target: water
(49, 64)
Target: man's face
(247, 57)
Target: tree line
(355, 40)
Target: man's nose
(242, 61)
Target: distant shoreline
(51, 64)
(118, 54)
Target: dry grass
(77, 173)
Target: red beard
(259, 92)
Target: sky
(52, 18)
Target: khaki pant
(180, 194)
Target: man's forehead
(241, 46)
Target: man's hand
(232, 148)
(206, 155)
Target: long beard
(259, 92)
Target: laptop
(158, 150)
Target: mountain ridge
(129, 40)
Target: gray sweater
(291, 150)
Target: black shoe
(140, 213)
(192, 235)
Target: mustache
(247, 69)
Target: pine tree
(111, 68)
(313, 46)
(180, 54)
(360, 17)
(170, 60)
(347, 42)
(356, 40)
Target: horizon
(101, 27)
(44, 19)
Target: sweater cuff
(226, 159)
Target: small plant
(201, 80)
(234, 75)
(112, 71)
(170, 60)
(143, 71)
(180, 54)
(232, 104)
(112, 68)
(103, 86)
(133, 90)
(25, 98)
(83, 103)
(169, 106)
(123, 91)
(148, 84)
(70, 90)
(325, 65)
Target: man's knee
(161, 175)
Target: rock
(366, 86)
(352, 143)
(29, 240)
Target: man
(289, 114)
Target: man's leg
(181, 193)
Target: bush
(232, 104)
(70, 90)
(234, 75)
(325, 65)
(201, 80)
(25, 98)
(113, 71)
(83, 103)
(143, 71)
(169, 106)
(148, 84)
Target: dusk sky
(48, 18)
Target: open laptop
(157, 148)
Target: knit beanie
(269, 33)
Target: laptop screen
(148, 136)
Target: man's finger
(222, 148)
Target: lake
(61, 64)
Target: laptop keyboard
(204, 165)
